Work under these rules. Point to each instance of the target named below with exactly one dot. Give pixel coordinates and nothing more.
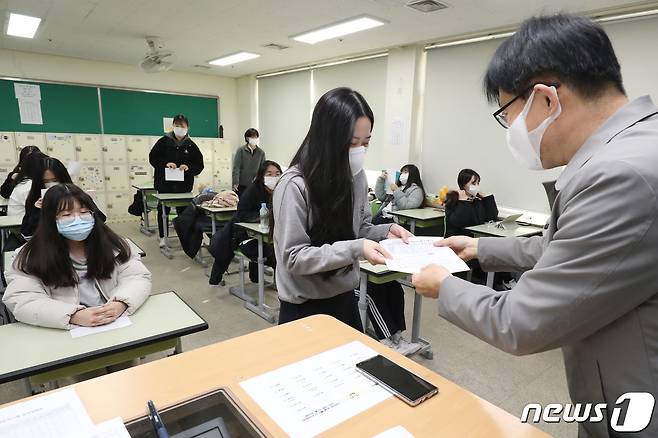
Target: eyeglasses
(501, 114)
(68, 220)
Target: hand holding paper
(421, 252)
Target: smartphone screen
(398, 379)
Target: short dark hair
(181, 118)
(574, 49)
(465, 176)
(251, 132)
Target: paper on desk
(54, 415)
(174, 174)
(395, 432)
(120, 322)
(113, 428)
(315, 394)
(420, 252)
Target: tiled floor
(504, 380)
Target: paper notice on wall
(27, 91)
(396, 132)
(30, 112)
(168, 124)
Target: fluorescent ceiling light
(22, 26)
(337, 30)
(628, 16)
(234, 58)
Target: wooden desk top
(10, 221)
(36, 350)
(454, 412)
(490, 229)
(419, 214)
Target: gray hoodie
(300, 265)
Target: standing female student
(322, 217)
(407, 192)
(10, 182)
(74, 270)
(175, 150)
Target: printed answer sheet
(315, 394)
(412, 257)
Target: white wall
(59, 68)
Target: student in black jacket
(468, 206)
(175, 150)
(12, 178)
(227, 239)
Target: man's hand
(184, 167)
(171, 165)
(428, 281)
(465, 247)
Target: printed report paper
(55, 415)
(412, 257)
(174, 174)
(313, 395)
(120, 322)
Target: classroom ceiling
(201, 30)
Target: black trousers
(386, 308)
(179, 210)
(343, 307)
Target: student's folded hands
(100, 315)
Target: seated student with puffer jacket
(75, 270)
(407, 193)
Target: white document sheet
(27, 91)
(168, 124)
(174, 175)
(55, 415)
(120, 322)
(113, 428)
(420, 252)
(395, 432)
(30, 112)
(313, 395)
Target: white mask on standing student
(180, 132)
(357, 159)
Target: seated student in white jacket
(75, 270)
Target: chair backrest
(551, 193)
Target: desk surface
(144, 186)
(173, 196)
(214, 210)
(10, 221)
(419, 214)
(371, 269)
(490, 229)
(3, 202)
(453, 412)
(255, 227)
(37, 349)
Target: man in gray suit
(590, 284)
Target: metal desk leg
(240, 291)
(412, 226)
(363, 301)
(261, 309)
(490, 279)
(179, 346)
(2, 242)
(426, 350)
(28, 386)
(165, 230)
(146, 227)
(214, 224)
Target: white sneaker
(389, 343)
(407, 348)
(163, 242)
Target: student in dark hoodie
(175, 150)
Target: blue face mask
(78, 229)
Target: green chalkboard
(139, 113)
(64, 108)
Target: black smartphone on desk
(403, 383)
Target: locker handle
(104, 149)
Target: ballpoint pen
(158, 425)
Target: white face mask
(473, 190)
(180, 132)
(404, 177)
(253, 141)
(526, 146)
(50, 184)
(270, 181)
(357, 159)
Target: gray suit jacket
(591, 282)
